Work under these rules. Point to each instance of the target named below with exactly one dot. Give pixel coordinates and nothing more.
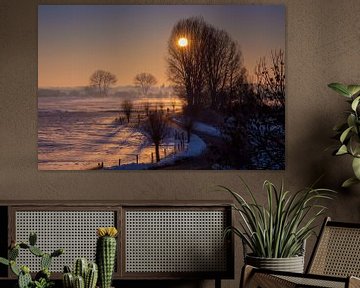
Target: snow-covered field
(78, 132)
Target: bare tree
(270, 81)
(223, 67)
(145, 81)
(206, 69)
(127, 107)
(147, 107)
(173, 104)
(101, 80)
(156, 128)
(185, 62)
(189, 115)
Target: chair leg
(217, 283)
(246, 273)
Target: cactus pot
(291, 264)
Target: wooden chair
(335, 262)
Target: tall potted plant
(348, 132)
(276, 233)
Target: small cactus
(14, 268)
(89, 272)
(57, 252)
(32, 239)
(80, 268)
(68, 280)
(91, 276)
(106, 254)
(4, 261)
(79, 282)
(24, 278)
(45, 261)
(13, 253)
(36, 251)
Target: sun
(183, 42)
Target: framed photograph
(139, 87)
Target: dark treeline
(208, 73)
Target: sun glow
(182, 42)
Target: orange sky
(76, 40)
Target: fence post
(119, 162)
(152, 157)
(137, 159)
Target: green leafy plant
(279, 229)
(42, 278)
(348, 133)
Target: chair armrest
(354, 282)
(255, 277)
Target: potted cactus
(106, 254)
(42, 278)
(84, 275)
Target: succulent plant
(85, 275)
(42, 278)
(79, 282)
(106, 254)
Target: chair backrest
(337, 251)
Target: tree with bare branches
(207, 66)
(156, 128)
(270, 80)
(102, 80)
(223, 67)
(127, 107)
(147, 108)
(185, 62)
(144, 81)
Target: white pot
(291, 264)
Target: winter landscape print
(135, 87)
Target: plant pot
(291, 264)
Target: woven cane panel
(74, 231)
(338, 253)
(306, 282)
(175, 241)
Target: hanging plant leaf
(353, 89)
(340, 88)
(345, 134)
(355, 103)
(356, 167)
(342, 150)
(349, 182)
